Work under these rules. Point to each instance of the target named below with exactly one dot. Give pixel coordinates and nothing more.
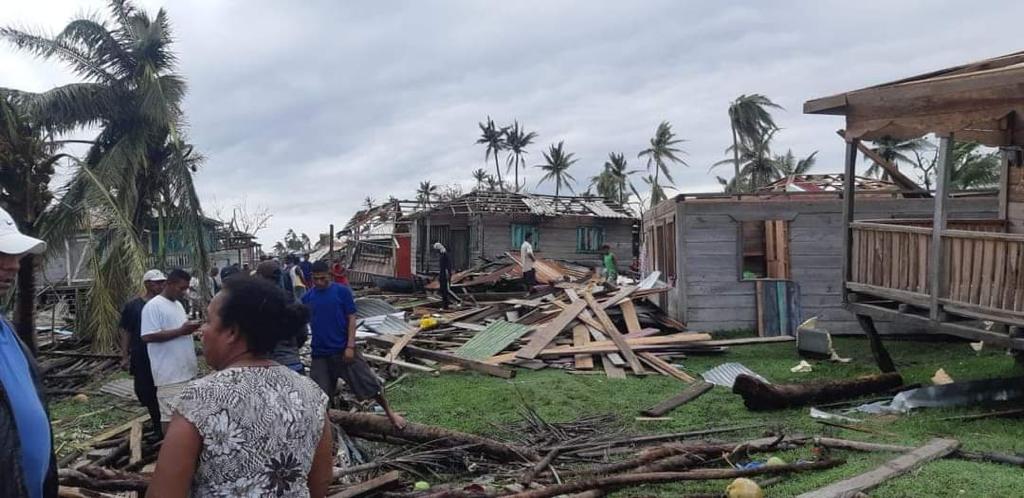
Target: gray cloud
(308, 107)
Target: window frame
(581, 232)
(533, 228)
(774, 235)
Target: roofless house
(947, 275)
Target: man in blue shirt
(27, 464)
(333, 322)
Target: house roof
(826, 183)
(978, 101)
(508, 203)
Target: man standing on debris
(28, 466)
(333, 321)
(444, 274)
(133, 350)
(527, 260)
(167, 332)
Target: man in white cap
(133, 351)
(167, 332)
(27, 463)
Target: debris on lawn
(67, 365)
(758, 395)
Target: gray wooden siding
(708, 252)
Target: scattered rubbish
(725, 374)
(941, 377)
(743, 488)
(802, 367)
(775, 462)
(823, 415)
(123, 388)
(960, 394)
(977, 346)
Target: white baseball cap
(14, 242)
(154, 276)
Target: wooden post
(937, 271)
(1004, 184)
(849, 194)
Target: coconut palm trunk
(24, 310)
(497, 168)
(735, 155)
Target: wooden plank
(127, 426)
(935, 449)
(371, 485)
(612, 371)
(987, 272)
(443, 357)
(598, 336)
(979, 257)
(689, 394)
(759, 305)
(955, 259)
(135, 443)
(1018, 299)
(943, 166)
(617, 298)
(580, 338)
(629, 314)
(613, 332)
(967, 271)
(399, 345)
(665, 367)
(541, 338)
(400, 363)
(999, 273)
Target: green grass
(475, 403)
(75, 422)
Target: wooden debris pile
(68, 366)
(571, 322)
(118, 460)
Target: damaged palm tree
(137, 173)
(759, 395)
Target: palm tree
(758, 168)
(426, 194)
(27, 161)
(972, 168)
(556, 167)
(280, 249)
(657, 193)
(516, 141)
(481, 177)
(662, 147)
(616, 166)
(605, 185)
(139, 167)
(749, 118)
(895, 151)
(494, 138)
(788, 165)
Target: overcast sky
(308, 107)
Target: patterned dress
(260, 428)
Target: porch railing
(982, 268)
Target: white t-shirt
(524, 250)
(296, 276)
(171, 361)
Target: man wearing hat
(133, 351)
(27, 464)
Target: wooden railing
(982, 267)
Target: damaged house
(486, 225)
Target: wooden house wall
(709, 294)
(558, 237)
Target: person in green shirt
(611, 269)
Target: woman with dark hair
(253, 428)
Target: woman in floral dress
(253, 428)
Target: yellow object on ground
(941, 377)
(743, 488)
(428, 322)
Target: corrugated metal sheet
(369, 306)
(390, 325)
(601, 210)
(539, 206)
(122, 388)
(725, 374)
(491, 340)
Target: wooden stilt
(877, 348)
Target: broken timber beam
(613, 332)
(689, 394)
(936, 448)
(443, 357)
(376, 484)
(542, 337)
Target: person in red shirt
(339, 274)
